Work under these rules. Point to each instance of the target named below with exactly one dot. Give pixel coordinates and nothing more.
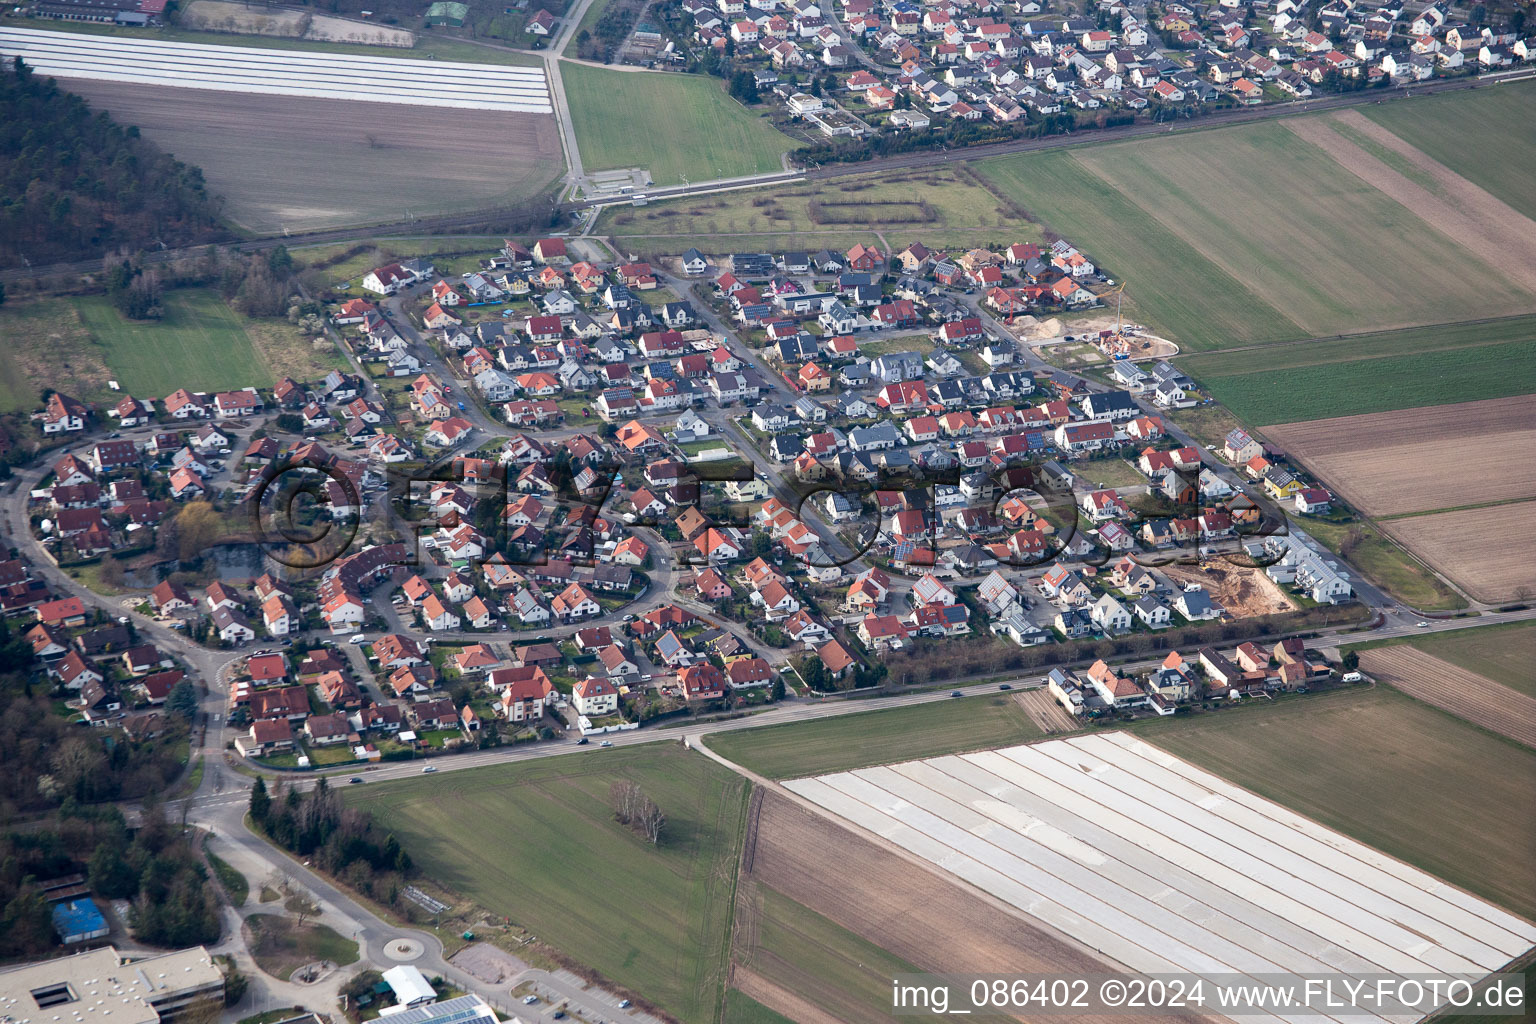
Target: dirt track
(1488, 552)
(288, 163)
(1488, 227)
(915, 913)
(1416, 460)
(1452, 688)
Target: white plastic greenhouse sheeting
(299, 73)
(1164, 867)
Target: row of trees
(73, 181)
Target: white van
(358, 639)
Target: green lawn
(1453, 128)
(280, 945)
(538, 843)
(427, 47)
(1409, 780)
(675, 125)
(1171, 284)
(1379, 383)
(877, 737)
(199, 344)
(1388, 565)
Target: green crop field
(200, 343)
(1171, 284)
(742, 1009)
(1355, 347)
(1412, 781)
(675, 125)
(877, 737)
(1258, 199)
(537, 842)
(1454, 128)
(1379, 384)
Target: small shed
(410, 986)
(78, 921)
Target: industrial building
(99, 986)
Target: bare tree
(301, 906)
(637, 811)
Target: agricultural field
(1359, 347)
(897, 913)
(1386, 564)
(809, 966)
(1169, 283)
(1218, 192)
(876, 737)
(290, 163)
(1124, 847)
(1485, 226)
(948, 207)
(1388, 771)
(1453, 689)
(1504, 365)
(546, 852)
(1504, 654)
(1453, 128)
(743, 1009)
(673, 125)
(1488, 552)
(427, 48)
(1419, 460)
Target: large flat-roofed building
(99, 987)
(459, 1010)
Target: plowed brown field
(1416, 460)
(1488, 552)
(910, 911)
(292, 162)
(1452, 688)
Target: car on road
(355, 780)
(956, 693)
(606, 743)
(358, 638)
(122, 620)
(582, 741)
(1005, 686)
(1422, 624)
(429, 769)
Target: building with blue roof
(78, 921)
